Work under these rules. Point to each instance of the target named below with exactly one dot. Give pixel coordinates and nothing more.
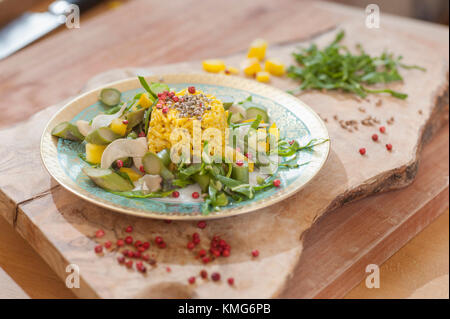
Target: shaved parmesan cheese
(123, 148)
(104, 120)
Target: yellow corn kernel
(257, 49)
(145, 101)
(118, 127)
(263, 76)
(213, 65)
(274, 67)
(132, 174)
(251, 66)
(231, 70)
(94, 153)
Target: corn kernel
(231, 70)
(145, 101)
(94, 153)
(118, 127)
(263, 76)
(213, 65)
(257, 49)
(274, 67)
(251, 66)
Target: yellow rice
(162, 125)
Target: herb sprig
(335, 67)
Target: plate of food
(185, 146)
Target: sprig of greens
(335, 67)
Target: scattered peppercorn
(389, 147)
(191, 280)
(195, 195)
(190, 245)
(215, 276)
(382, 129)
(108, 244)
(201, 224)
(362, 151)
(375, 137)
(120, 242)
(175, 194)
(98, 249)
(277, 183)
(129, 240)
(129, 229)
(231, 281)
(204, 274)
(99, 233)
(162, 245)
(191, 89)
(255, 253)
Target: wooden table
(23, 72)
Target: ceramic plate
(294, 119)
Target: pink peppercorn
(201, 224)
(215, 276)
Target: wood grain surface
(61, 226)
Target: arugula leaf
(146, 86)
(248, 99)
(336, 68)
(182, 182)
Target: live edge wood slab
(61, 227)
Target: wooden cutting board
(61, 226)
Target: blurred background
(429, 10)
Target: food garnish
(234, 150)
(336, 68)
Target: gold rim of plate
(49, 154)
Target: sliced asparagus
(203, 181)
(252, 110)
(108, 179)
(164, 155)
(134, 118)
(102, 136)
(154, 165)
(110, 96)
(67, 131)
(240, 173)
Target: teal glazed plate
(294, 119)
